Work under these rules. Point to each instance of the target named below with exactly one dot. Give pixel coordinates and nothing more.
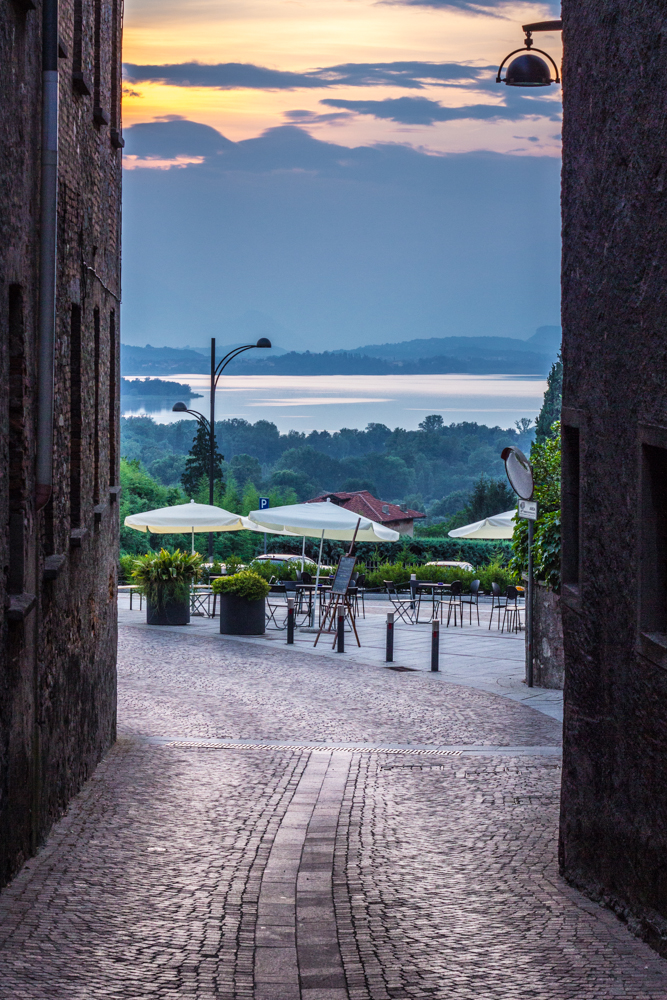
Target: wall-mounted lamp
(528, 70)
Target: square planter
(239, 616)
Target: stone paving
(226, 849)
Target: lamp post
(216, 371)
(520, 474)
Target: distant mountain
(345, 363)
(162, 361)
(170, 360)
(546, 340)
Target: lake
(329, 402)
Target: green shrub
(125, 567)
(494, 572)
(166, 576)
(244, 584)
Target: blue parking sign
(263, 503)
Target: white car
(459, 565)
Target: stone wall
(58, 579)
(613, 835)
(548, 663)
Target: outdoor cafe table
(432, 589)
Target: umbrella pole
(317, 582)
(303, 554)
(193, 539)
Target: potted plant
(165, 578)
(242, 598)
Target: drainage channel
(479, 750)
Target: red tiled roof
(364, 503)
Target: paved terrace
(280, 824)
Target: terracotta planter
(169, 613)
(239, 616)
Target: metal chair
(454, 603)
(471, 599)
(513, 611)
(498, 603)
(359, 596)
(403, 606)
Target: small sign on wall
(528, 508)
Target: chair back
(456, 588)
(361, 581)
(306, 577)
(390, 586)
(495, 589)
(512, 594)
(474, 588)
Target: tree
(523, 425)
(231, 499)
(246, 468)
(489, 497)
(432, 423)
(355, 485)
(545, 460)
(198, 461)
(551, 406)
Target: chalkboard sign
(343, 575)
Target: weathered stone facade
(614, 599)
(548, 661)
(58, 579)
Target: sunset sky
(333, 75)
(334, 173)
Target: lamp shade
(528, 70)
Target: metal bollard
(390, 637)
(290, 621)
(435, 645)
(341, 632)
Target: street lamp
(528, 70)
(216, 371)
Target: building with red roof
(364, 503)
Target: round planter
(169, 613)
(239, 616)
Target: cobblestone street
(278, 825)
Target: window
(96, 421)
(653, 541)
(570, 529)
(75, 417)
(17, 401)
(112, 398)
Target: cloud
(413, 75)
(421, 111)
(300, 117)
(485, 7)
(341, 245)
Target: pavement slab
(281, 825)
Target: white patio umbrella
(498, 526)
(323, 520)
(191, 517)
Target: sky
(335, 173)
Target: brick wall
(58, 580)
(614, 596)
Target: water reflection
(329, 402)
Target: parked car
(280, 558)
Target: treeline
(156, 387)
(415, 468)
